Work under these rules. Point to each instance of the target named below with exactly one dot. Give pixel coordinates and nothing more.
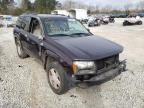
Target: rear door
(21, 30)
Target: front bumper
(104, 75)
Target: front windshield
(64, 27)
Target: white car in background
(93, 21)
(105, 20)
(9, 21)
(132, 20)
(6, 21)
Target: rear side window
(18, 23)
(27, 18)
(23, 22)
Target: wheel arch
(16, 36)
(49, 55)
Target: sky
(113, 3)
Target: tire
(124, 23)
(60, 85)
(20, 50)
(113, 21)
(140, 23)
(105, 23)
(98, 24)
(89, 25)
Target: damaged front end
(106, 70)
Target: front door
(35, 38)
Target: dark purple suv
(69, 53)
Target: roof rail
(59, 14)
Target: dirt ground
(23, 83)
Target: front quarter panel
(56, 51)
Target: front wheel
(57, 78)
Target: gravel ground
(23, 83)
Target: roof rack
(58, 14)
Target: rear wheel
(20, 50)
(57, 78)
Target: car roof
(46, 15)
(51, 16)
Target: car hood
(90, 47)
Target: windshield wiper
(81, 34)
(59, 35)
(71, 35)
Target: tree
(58, 5)
(69, 4)
(127, 8)
(89, 12)
(141, 5)
(97, 9)
(45, 6)
(24, 4)
(4, 4)
(0, 6)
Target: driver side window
(35, 28)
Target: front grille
(106, 62)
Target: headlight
(83, 65)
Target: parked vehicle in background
(141, 14)
(119, 15)
(60, 12)
(84, 21)
(104, 20)
(1, 21)
(79, 14)
(111, 19)
(69, 53)
(1, 24)
(93, 21)
(8, 21)
(132, 20)
(123, 16)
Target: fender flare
(48, 54)
(16, 36)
